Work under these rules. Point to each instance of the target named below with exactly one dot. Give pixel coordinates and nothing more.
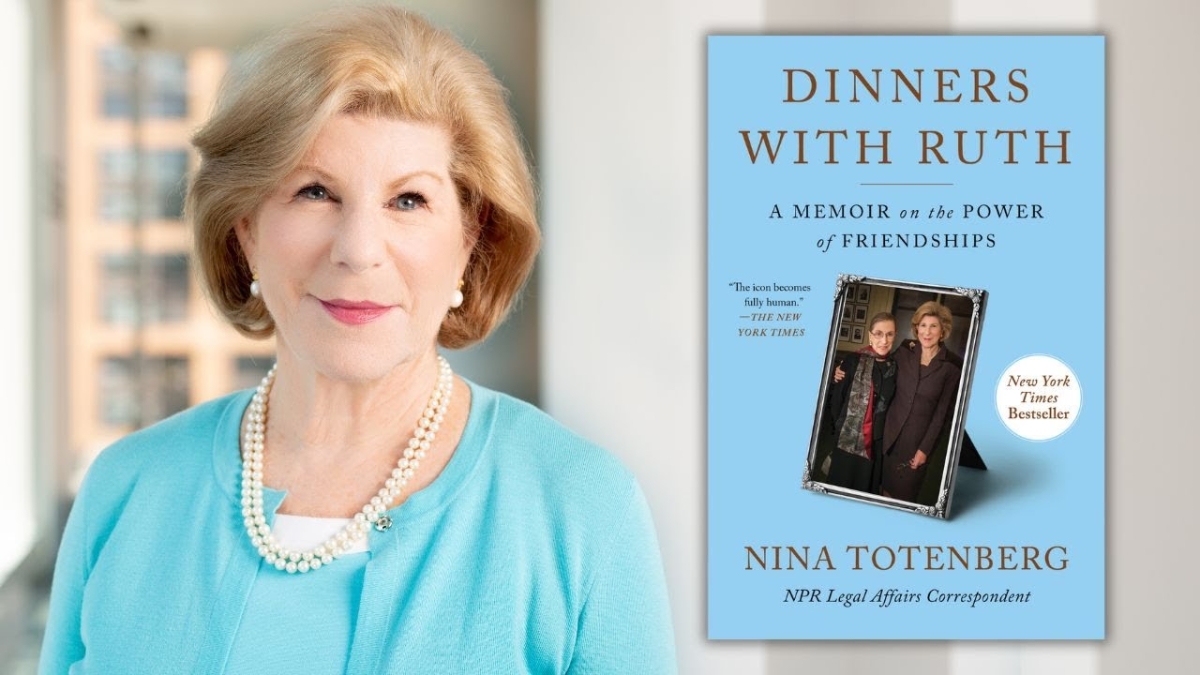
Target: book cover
(906, 265)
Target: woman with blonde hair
(927, 383)
(363, 196)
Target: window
(163, 82)
(251, 370)
(139, 394)
(164, 288)
(163, 173)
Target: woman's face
(883, 334)
(360, 249)
(929, 331)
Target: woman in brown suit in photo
(927, 380)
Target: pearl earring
(456, 298)
(255, 291)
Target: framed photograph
(860, 314)
(851, 294)
(918, 366)
(844, 331)
(847, 313)
(864, 294)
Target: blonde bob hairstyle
(372, 61)
(934, 309)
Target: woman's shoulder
(949, 364)
(952, 358)
(908, 352)
(177, 445)
(533, 436)
(850, 361)
(526, 443)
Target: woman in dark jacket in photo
(857, 407)
(926, 386)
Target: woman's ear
(471, 234)
(244, 230)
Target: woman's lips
(354, 313)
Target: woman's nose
(359, 241)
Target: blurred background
(107, 330)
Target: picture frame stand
(969, 455)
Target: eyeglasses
(880, 335)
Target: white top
(303, 533)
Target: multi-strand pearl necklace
(373, 514)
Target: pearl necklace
(372, 514)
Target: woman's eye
(409, 201)
(313, 192)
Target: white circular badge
(1038, 397)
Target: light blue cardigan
(533, 551)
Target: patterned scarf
(856, 433)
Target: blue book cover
(906, 266)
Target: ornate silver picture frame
(875, 412)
